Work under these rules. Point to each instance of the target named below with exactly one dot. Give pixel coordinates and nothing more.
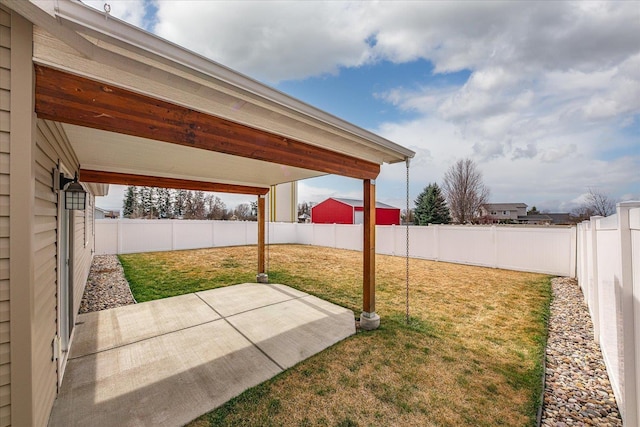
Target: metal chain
(406, 222)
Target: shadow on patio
(166, 362)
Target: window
(505, 212)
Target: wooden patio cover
(88, 88)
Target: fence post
(574, 252)
(436, 242)
(630, 409)
(119, 237)
(494, 239)
(173, 235)
(594, 283)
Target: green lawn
(471, 355)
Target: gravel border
(106, 285)
(577, 390)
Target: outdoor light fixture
(74, 195)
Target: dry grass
(470, 356)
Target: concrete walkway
(166, 362)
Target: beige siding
(5, 350)
(83, 250)
(53, 147)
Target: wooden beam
(68, 98)
(103, 177)
(369, 248)
(261, 233)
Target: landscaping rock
(106, 285)
(577, 390)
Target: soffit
(115, 152)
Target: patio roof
(132, 103)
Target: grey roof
(356, 203)
(555, 218)
(503, 206)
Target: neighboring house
(304, 218)
(545, 219)
(100, 213)
(350, 211)
(502, 212)
(82, 92)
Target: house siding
(52, 146)
(5, 325)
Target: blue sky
(543, 96)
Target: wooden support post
(261, 234)
(369, 319)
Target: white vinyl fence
(608, 269)
(548, 250)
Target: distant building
(351, 211)
(516, 213)
(546, 219)
(100, 213)
(494, 213)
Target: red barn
(350, 211)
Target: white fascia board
(92, 19)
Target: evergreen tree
(130, 202)
(180, 205)
(147, 202)
(431, 207)
(164, 203)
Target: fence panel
(539, 250)
(385, 240)
(348, 236)
(467, 245)
(192, 234)
(235, 233)
(145, 236)
(609, 299)
(324, 235)
(280, 233)
(106, 239)
(423, 242)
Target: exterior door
(64, 289)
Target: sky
(543, 96)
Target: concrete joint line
(241, 333)
(145, 339)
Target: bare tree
(465, 191)
(599, 203)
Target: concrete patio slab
(299, 328)
(131, 323)
(187, 358)
(240, 298)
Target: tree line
(164, 203)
